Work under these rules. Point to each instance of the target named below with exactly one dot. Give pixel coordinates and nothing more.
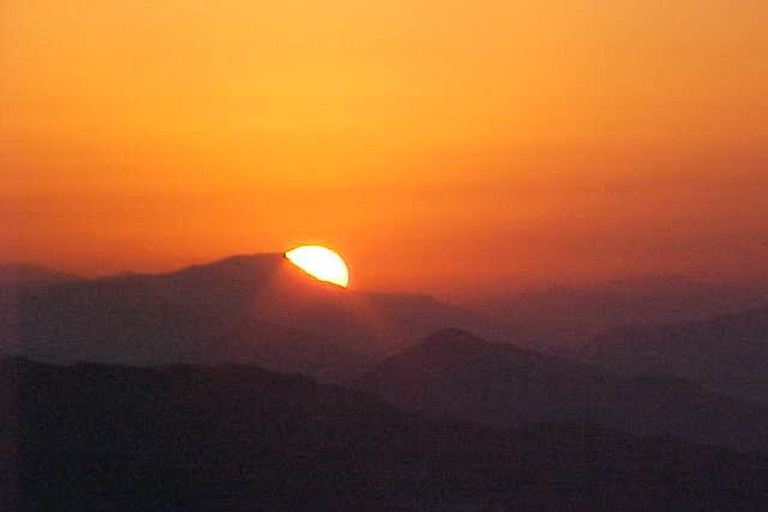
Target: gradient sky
(439, 145)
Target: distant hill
(17, 280)
(560, 319)
(728, 354)
(29, 275)
(255, 308)
(455, 375)
(104, 438)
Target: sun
(321, 263)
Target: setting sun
(321, 263)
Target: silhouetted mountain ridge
(560, 319)
(249, 308)
(106, 438)
(727, 354)
(30, 275)
(454, 374)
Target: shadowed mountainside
(727, 354)
(241, 309)
(25, 275)
(18, 280)
(455, 375)
(234, 438)
(561, 319)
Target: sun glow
(321, 263)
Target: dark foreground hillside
(103, 438)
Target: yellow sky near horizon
(423, 139)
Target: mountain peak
(238, 262)
(251, 271)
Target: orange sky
(440, 145)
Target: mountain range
(701, 382)
(93, 437)
(456, 375)
(727, 354)
(561, 319)
(256, 309)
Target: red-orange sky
(439, 145)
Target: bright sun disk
(321, 263)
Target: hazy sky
(440, 145)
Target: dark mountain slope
(728, 354)
(18, 280)
(102, 438)
(26, 275)
(560, 319)
(456, 375)
(234, 310)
